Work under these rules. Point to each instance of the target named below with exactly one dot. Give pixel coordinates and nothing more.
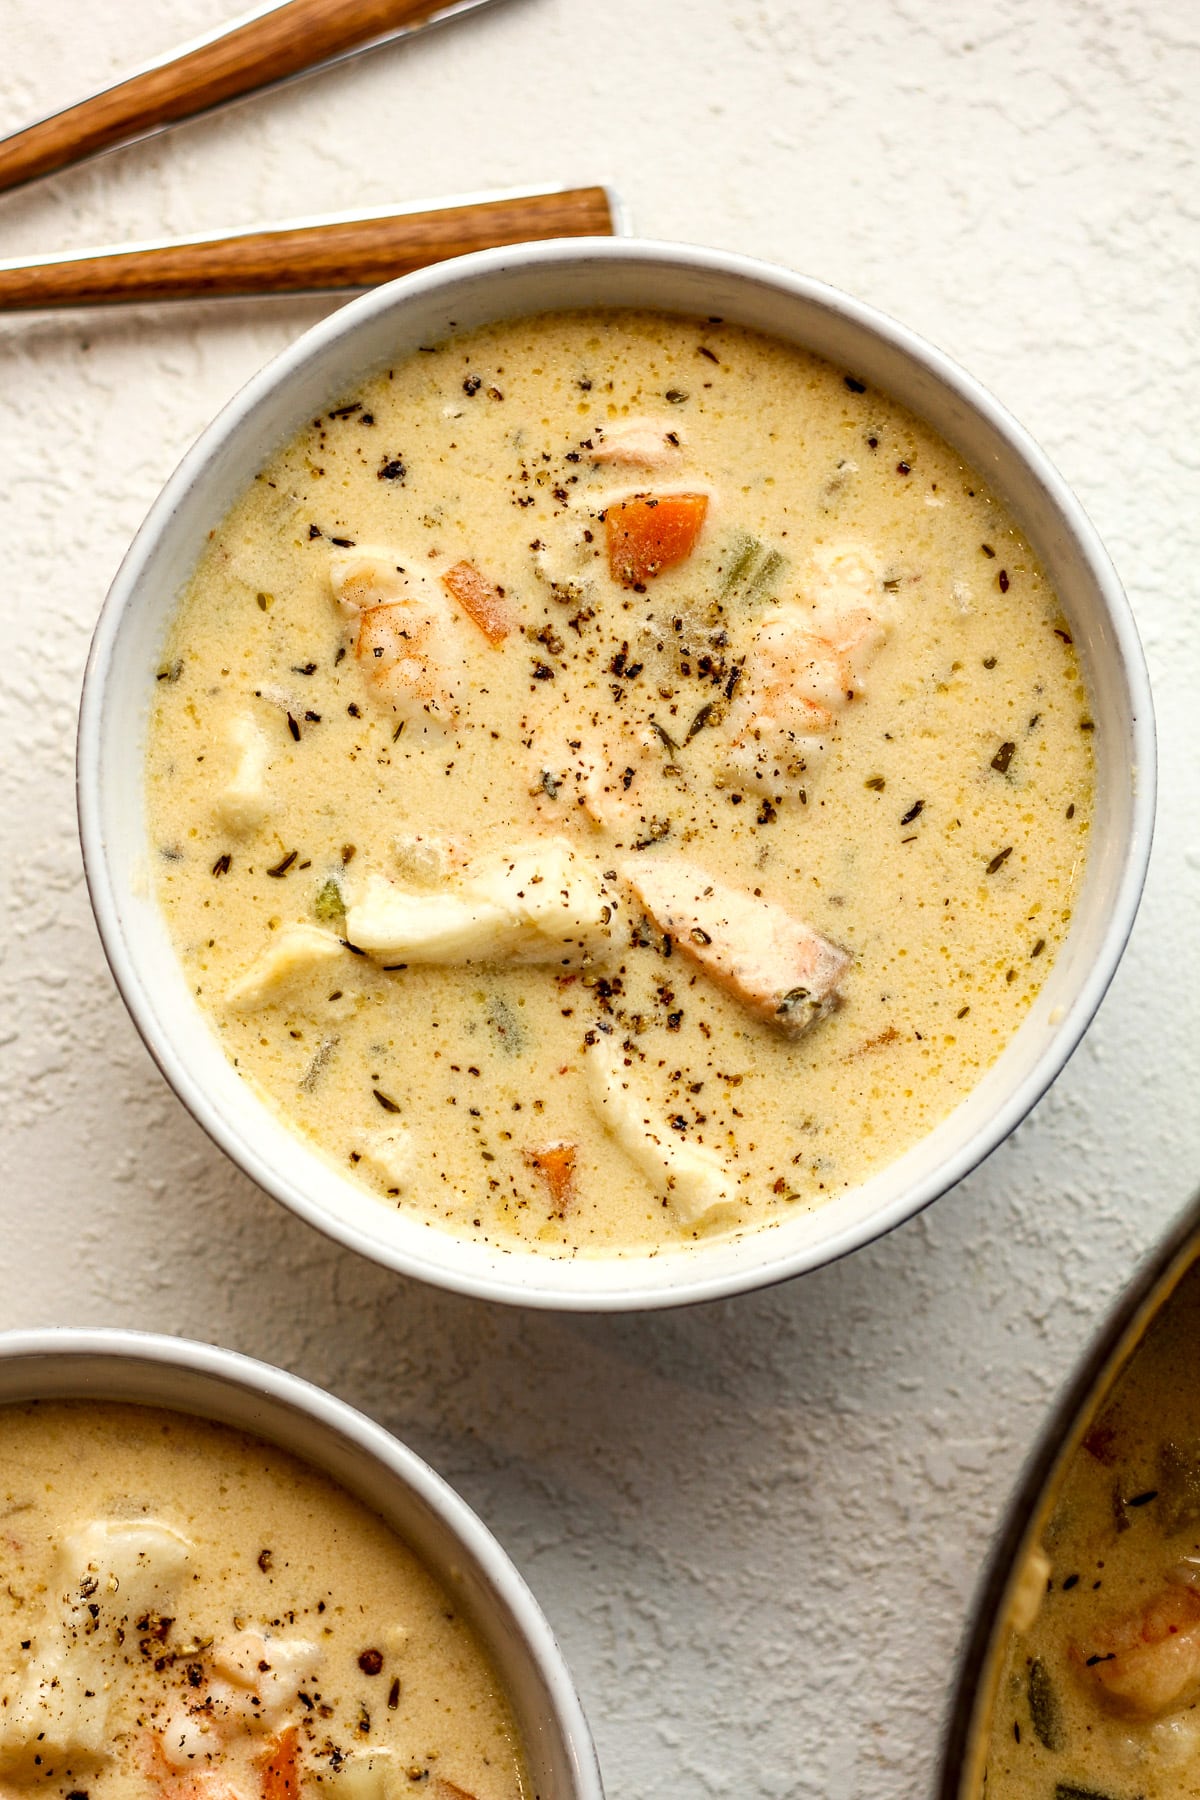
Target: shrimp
(168, 1760)
(195, 1784)
(1147, 1662)
(638, 444)
(408, 641)
(805, 666)
(229, 1736)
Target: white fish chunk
(696, 1181)
(568, 552)
(241, 805)
(638, 444)
(841, 576)
(425, 860)
(426, 926)
(806, 664)
(367, 1775)
(538, 903)
(293, 955)
(136, 1565)
(407, 631)
(781, 970)
(390, 1155)
(560, 909)
(112, 1573)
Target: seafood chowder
(1100, 1695)
(616, 778)
(190, 1614)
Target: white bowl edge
(144, 1368)
(384, 325)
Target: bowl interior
(969, 1723)
(387, 325)
(370, 1464)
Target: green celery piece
(329, 905)
(766, 575)
(746, 551)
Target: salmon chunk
(781, 970)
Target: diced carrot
(652, 532)
(280, 1770)
(482, 602)
(555, 1163)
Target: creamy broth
(1100, 1694)
(658, 1070)
(187, 1613)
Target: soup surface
(615, 778)
(187, 1613)
(1100, 1696)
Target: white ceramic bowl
(326, 362)
(454, 1545)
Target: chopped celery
(329, 905)
(744, 550)
(766, 574)
(753, 569)
(1178, 1487)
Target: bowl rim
(623, 1292)
(214, 1365)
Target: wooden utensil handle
(342, 253)
(265, 49)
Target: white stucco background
(755, 1526)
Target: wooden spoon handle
(270, 47)
(291, 259)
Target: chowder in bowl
(1081, 1672)
(222, 1583)
(646, 774)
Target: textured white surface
(755, 1526)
